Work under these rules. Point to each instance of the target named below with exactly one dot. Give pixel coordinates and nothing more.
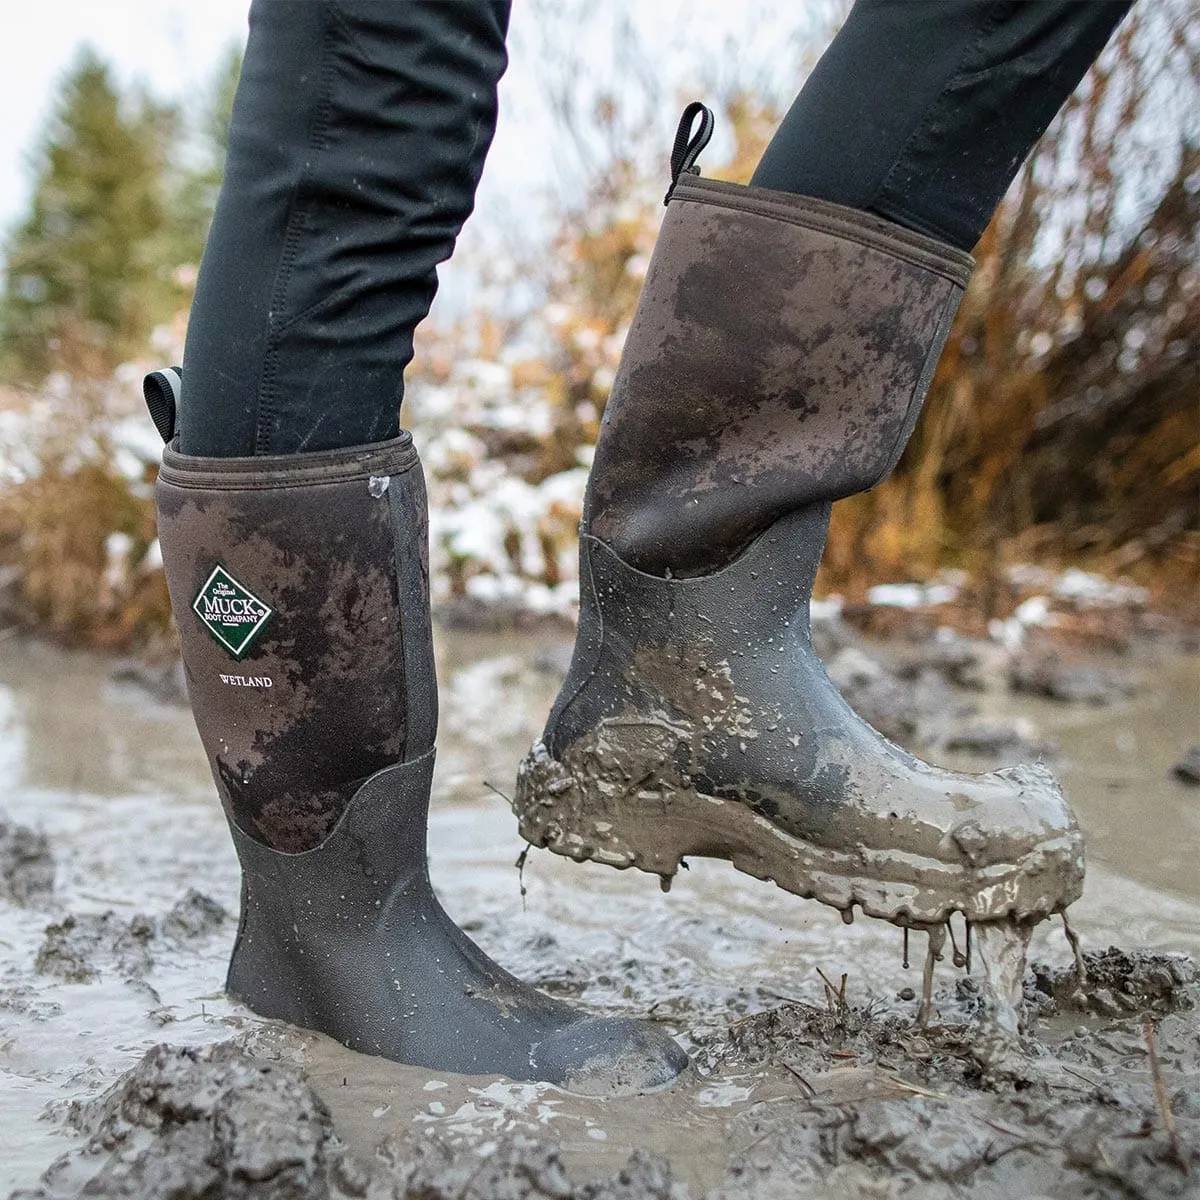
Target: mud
(811, 1075)
(1043, 671)
(26, 865)
(219, 1121)
(78, 948)
(847, 1100)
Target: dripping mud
(123, 1064)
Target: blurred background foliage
(1062, 429)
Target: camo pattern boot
(300, 587)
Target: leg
(300, 580)
(923, 110)
(359, 134)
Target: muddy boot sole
(650, 817)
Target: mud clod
(189, 1124)
(77, 948)
(517, 1168)
(196, 1123)
(1118, 983)
(26, 865)
(80, 948)
(926, 1138)
(866, 1105)
(195, 916)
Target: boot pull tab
(688, 146)
(161, 391)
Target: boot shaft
(300, 588)
(779, 355)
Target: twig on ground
(812, 1091)
(1164, 1103)
(835, 998)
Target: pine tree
(85, 278)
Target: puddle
(120, 787)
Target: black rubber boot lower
(697, 720)
(300, 587)
(349, 939)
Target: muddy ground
(125, 1072)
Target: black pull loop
(161, 392)
(688, 145)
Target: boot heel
(621, 801)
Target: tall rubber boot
(300, 587)
(779, 356)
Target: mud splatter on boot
(778, 360)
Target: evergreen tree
(85, 278)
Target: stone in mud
(26, 865)
(1039, 670)
(1119, 983)
(78, 947)
(1187, 769)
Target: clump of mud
(26, 864)
(517, 1168)
(212, 1122)
(221, 1122)
(881, 1108)
(79, 949)
(75, 948)
(1118, 983)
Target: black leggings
(359, 134)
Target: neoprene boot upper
(779, 356)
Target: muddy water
(119, 785)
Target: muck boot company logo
(230, 612)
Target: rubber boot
(777, 361)
(300, 587)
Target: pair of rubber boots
(778, 359)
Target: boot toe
(1025, 812)
(609, 1056)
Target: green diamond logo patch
(233, 614)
